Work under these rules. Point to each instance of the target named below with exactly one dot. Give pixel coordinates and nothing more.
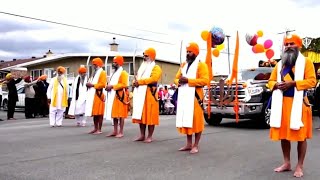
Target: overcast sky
(166, 21)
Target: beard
(59, 77)
(191, 58)
(290, 56)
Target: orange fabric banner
(209, 64)
(234, 76)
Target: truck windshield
(261, 73)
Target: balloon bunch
(217, 39)
(252, 40)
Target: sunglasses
(289, 44)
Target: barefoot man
(291, 116)
(95, 97)
(145, 103)
(117, 99)
(191, 77)
(79, 94)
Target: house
(71, 61)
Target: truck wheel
(5, 104)
(264, 119)
(214, 120)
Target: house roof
(57, 57)
(4, 65)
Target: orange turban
(151, 53)
(82, 69)
(61, 69)
(193, 47)
(293, 39)
(43, 77)
(119, 60)
(97, 62)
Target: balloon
(267, 44)
(269, 53)
(204, 35)
(258, 48)
(260, 33)
(217, 35)
(220, 47)
(216, 52)
(251, 39)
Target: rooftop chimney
(49, 53)
(114, 45)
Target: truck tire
(214, 120)
(264, 118)
(5, 104)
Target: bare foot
(194, 150)
(93, 131)
(97, 132)
(119, 135)
(298, 172)
(185, 148)
(148, 140)
(141, 138)
(111, 134)
(283, 167)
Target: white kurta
(77, 107)
(56, 113)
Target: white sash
(277, 96)
(76, 104)
(91, 93)
(186, 94)
(139, 93)
(111, 94)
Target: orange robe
(119, 109)
(284, 132)
(98, 102)
(150, 112)
(201, 80)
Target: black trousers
(30, 107)
(11, 108)
(0, 101)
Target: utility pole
(228, 36)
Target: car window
(21, 90)
(256, 74)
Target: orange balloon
(216, 52)
(205, 35)
(260, 33)
(258, 48)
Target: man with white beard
(57, 94)
(291, 116)
(79, 94)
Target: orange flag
(209, 64)
(234, 76)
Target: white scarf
(91, 92)
(186, 94)
(111, 94)
(139, 93)
(277, 96)
(74, 105)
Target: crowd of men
(100, 97)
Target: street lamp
(228, 36)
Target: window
(36, 73)
(128, 67)
(49, 72)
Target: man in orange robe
(145, 101)
(95, 97)
(191, 78)
(117, 98)
(291, 77)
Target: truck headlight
(255, 90)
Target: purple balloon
(267, 44)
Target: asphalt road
(31, 150)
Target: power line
(86, 28)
